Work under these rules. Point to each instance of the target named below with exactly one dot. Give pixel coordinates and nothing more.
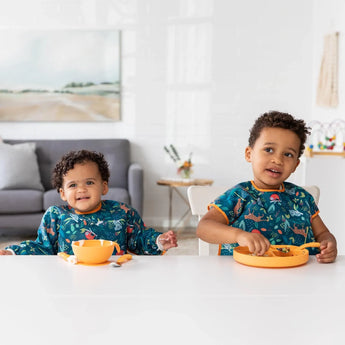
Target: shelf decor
(184, 167)
(326, 139)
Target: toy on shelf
(326, 139)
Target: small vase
(186, 173)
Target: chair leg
(204, 248)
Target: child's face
(83, 187)
(274, 157)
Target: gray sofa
(21, 210)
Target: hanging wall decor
(60, 75)
(327, 90)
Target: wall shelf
(311, 154)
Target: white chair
(314, 191)
(201, 196)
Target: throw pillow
(19, 167)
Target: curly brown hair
(276, 119)
(71, 158)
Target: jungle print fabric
(283, 216)
(115, 221)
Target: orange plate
(100, 264)
(299, 257)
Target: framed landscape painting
(60, 75)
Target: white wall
(327, 172)
(196, 73)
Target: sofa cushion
(51, 198)
(19, 168)
(117, 194)
(116, 152)
(20, 224)
(20, 201)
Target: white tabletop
(170, 300)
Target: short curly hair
(71, 158)
(276, 119)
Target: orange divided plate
(295, 257)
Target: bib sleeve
(229, 204)
(47, 237)
(140, 239)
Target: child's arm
(140, 239)
(5, 252)
(328, 243)
(46, 242)
(213, 228)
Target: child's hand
(328, 251)
(168, 240)
(256, 243)
(5, 252)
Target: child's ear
(105, 189)
(247, 153)
(62, 194)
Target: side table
(173, 185)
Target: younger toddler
(81, 178)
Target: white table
(170, 300)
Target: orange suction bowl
(296, 256)
(93, 252)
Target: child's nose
(82, 187)
(277, 159)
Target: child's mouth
(274, 172)
(83, 198)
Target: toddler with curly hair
(81, 178)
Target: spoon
(121, 260)
(73, 260)
(279, 252)
(69, 258)
(114, 264)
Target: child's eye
(268, 149)
(288, 154)
(72, 185)
(89, 183)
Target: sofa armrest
(135, 186)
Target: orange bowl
(93, 252)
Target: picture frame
(67, 75)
